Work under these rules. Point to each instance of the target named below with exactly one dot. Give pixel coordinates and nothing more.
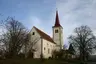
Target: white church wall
(55, 36)
(62, 42)
(36, 46)
(36, 35)
(48, 48)
(58, 37)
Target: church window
(44, 48)
(56, 31)
(33, 33)
(48, 51)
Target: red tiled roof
(57, 23)
(44, 35)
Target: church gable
(34, 34)
(43, 35)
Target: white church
(43, 43)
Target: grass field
(31, 61)
(38, 61)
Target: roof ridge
(44, 35)
(42, 31)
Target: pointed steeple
(57, 23)
(57, 33)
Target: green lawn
(31, 61)
(35, 61)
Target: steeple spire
(57, 33)
(57, 23)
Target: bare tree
(29, 47)
(83, 41)
(13, 37)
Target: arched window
(44, 48)
(56, 31)
(33, 33)
(48, 50)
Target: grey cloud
(74, 13)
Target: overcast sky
(41, 13)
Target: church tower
(58, 33)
